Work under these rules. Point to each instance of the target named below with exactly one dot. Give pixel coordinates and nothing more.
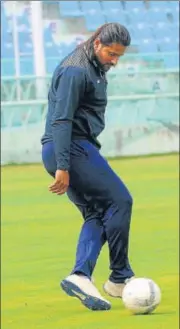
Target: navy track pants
(105, 204)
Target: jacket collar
(93, 59)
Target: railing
(142, 116)
(147, 67)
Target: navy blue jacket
(76, 104)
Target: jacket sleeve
(71, 87)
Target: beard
(89, 48)
(104, 67)
(107, 67)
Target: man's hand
(61, 182)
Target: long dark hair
(110, 33)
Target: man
(76, 105)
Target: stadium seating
(70, 8)
(143, 32)
(93, 15)
(113, 12)
(153, 28)
(166, 45)
(148, 46)
(23, 21)
(25, 43)
(162, 31)
(91, 7)
(164, 6)
(156, 16)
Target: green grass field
(38, 238)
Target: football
(141, 296)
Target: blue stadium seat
(94, 21)
(132, 32)
(51, 50)
(134, 6)
(158, 5)
(6, 25)
(161, 31)
(23, 23)
(112, 17)
(168, 8)
(175, 14)
(111, 6)
(93, 14)
(174, 33)
(91, 7)
(69, 8)
(7, 45)
(156, 16)
(159, 25)
(7, 50)
(137, 17)
(148, 46)
(25, 43)
(143, 32)
(174, 4)
(47, 35)
(167, 45)
(114, 12)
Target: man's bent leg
(117, 225)
(92, 236)
(98, 181)
(74, 285)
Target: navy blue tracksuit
(75, 119)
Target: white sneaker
(115, 289)
(92, 280)
(81, 287)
